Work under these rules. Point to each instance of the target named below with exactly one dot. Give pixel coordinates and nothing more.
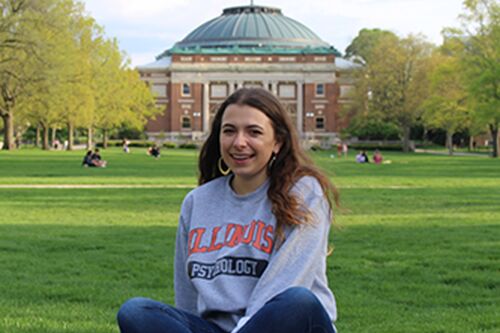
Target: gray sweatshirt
(226, 267)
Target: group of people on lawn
(362, 157)
(93, 159)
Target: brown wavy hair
(291, 163)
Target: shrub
(188, 145)
(376, 145)
(373, 129)
(169, 145)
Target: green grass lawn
(416, 243)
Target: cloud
(133, 10)
(141, 24)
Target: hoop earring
(222, 171)
(271, 161)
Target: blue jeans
(296, 310)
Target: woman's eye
(255, 132)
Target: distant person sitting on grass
(87, 160)
(154, 151)
(94, 159)
(125, 146)
(365, 156)
(377, 157)
(252, 239)
(360, 158)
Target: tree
(363, 45)
(29, 32)
(48, 100)
(447, 106)
(112, 95)
(80, 93)
(392, 85)
(141, 101)
(122, 98)
(17, 20)
(480, 37)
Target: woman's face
(247, 142)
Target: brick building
(248, 46)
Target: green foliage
(58, 69)
(480, 35)
(415, 243)
(376, 145)
(129, 133)
(188, 145)
(392, 86)
(170, 145)
(365, 42)
(447, 106)
(372, 129)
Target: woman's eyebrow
(255, 126)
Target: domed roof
(244, 28)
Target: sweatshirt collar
(262, 189)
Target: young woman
(252, 239)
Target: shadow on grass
(387, 279)
(417, 278)
(74, 278)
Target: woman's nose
(240, 140)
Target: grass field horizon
(416, 242)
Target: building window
(286, 90)
(320, 123)
(218, 90)
(320, 89)
(186, 122)
(159, 90)
(252, 84)
(186, 89)
(345, 91)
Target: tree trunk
(71, 137)
(89, 138)
(471, 143)
(37, 136)
(449, 142)
(45, 143)
(18, 135)
(105, 139)
(406, 139)
(54, 135)
(494, 138)
(8, 136)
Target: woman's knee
(301, 298)
(132, 310)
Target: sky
(146, 28)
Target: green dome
(257, 29)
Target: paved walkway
(171, 186)
(439, 152)
(99, 186)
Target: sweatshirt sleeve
(186, 296)
(302, 254)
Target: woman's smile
(247, 143)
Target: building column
(265, 84)
(300, 107)
(206, 108)
(231, 87)
(240, 84)
(274, 89)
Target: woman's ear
(277, 148)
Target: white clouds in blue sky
(145, 28)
